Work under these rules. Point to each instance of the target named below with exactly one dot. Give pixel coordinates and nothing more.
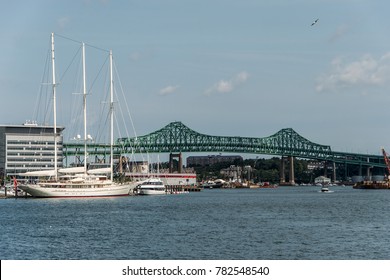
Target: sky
(222, 67)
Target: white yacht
(151, 186)
(76, 185)
(76, 182)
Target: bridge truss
(176, 137)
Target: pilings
(172, 189)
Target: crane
(387, 161)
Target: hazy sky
(222, 67)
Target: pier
(181, 188)
(4, 194)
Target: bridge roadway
(176, 138)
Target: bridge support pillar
(171, 157)
(291, 176)
(325, 169)
(334, 172)
(291, 173)
(282, 175)
(368, 173)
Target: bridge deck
(176, 137)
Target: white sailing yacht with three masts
(77, 181)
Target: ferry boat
(151, 186)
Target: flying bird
(314, 22)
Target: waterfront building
(233, 173)
(28, 147)
(313, 165)
(322, 180)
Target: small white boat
(325, 190)
(151, 186)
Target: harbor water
(286, 223)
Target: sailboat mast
(111, 119)
(84, 109)
(54, 103)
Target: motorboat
(152, 186)
(213, 184)
(325, 189)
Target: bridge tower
(291, 174)
(334, 172)
(282, 180)
(171, 157)
(333, 175)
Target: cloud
(226, 86)
(366, 71)
(62, 22)
(134, 56)
(168, 90)
(339, 33)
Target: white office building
(28, 147)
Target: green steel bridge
(178, 138)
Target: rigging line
(121, 114)
(127, 106)
(103, 109)
(79, 42)
(40, 89)
(67, 38)
(97, 75)
(71, 62)
(99, 134)
(102, 126)
(136, 144)
(117, 126)
(98, 48)
(46, 96)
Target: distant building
(212, 159)
(137, 167)
(322, 180)
(28, 147)
(312, 165)
(233, 173)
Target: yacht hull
(151, 192)
(37, 190)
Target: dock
(3, 196)
(182, 188)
